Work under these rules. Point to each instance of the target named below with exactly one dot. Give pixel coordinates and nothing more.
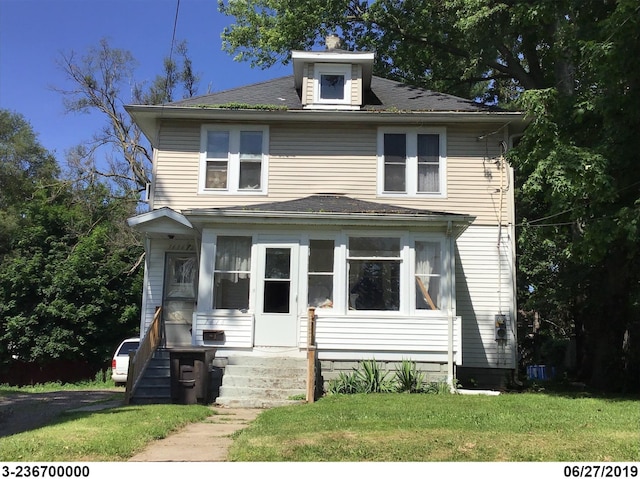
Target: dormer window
(333, 79)
(332, 84)
(332, 87)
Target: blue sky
(33, 33)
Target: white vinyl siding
(417, 338)
(336, 158)
(484, 289)
(238, 329)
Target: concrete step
(256, 381)
(261, 381)
(268, 361)
(261, 371)
(240, 402)
(258, 392)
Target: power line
(173, 41)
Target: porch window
(374, 273)
(321, 273)
(232, 273)
(233, 159)
(412, 161)
(428, 272)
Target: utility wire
(173, 41)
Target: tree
(574, 67)
(102, 78)
(472, 48)
(578, 171)
(67, 289)
(24, 164)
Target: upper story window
(412, 162)
(233, 159)
(332, 84)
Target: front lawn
(527, 427)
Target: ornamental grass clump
(370, 378)
(408, 378)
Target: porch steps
(263, 382)
(155, 384)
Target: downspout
(450, 373)
(145, 280)
(503, 149)
(194, 316)
(500, 343)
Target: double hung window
(321, 253)
(428, 272)
(412, 162)
(233, 159)
(232, 273)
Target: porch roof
(331, 209)
(161, 222)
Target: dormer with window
(333, 79)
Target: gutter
(147, 116)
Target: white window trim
(444, 275)
(411, 171)
(320, 69)
(233, 168)
(407, 275)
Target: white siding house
(387, 208)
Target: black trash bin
(187, 382)
(191, 364)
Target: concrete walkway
(206, 441)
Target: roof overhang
(365, 59)
(148, 117)
(162, 223)
(454, 224)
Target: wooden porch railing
(139, 360)
(311, 355)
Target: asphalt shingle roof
(327, 203)
(385, 95)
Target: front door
(276, 323)
(179, 298)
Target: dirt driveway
(20, 412)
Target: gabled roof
(384, 95)
(161, 222)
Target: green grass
(109, 435)
(390, 427)
(530, 427)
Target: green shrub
(408, 378)
(370, 378)
(345, 384)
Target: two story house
(387, 208)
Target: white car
(120, 362)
